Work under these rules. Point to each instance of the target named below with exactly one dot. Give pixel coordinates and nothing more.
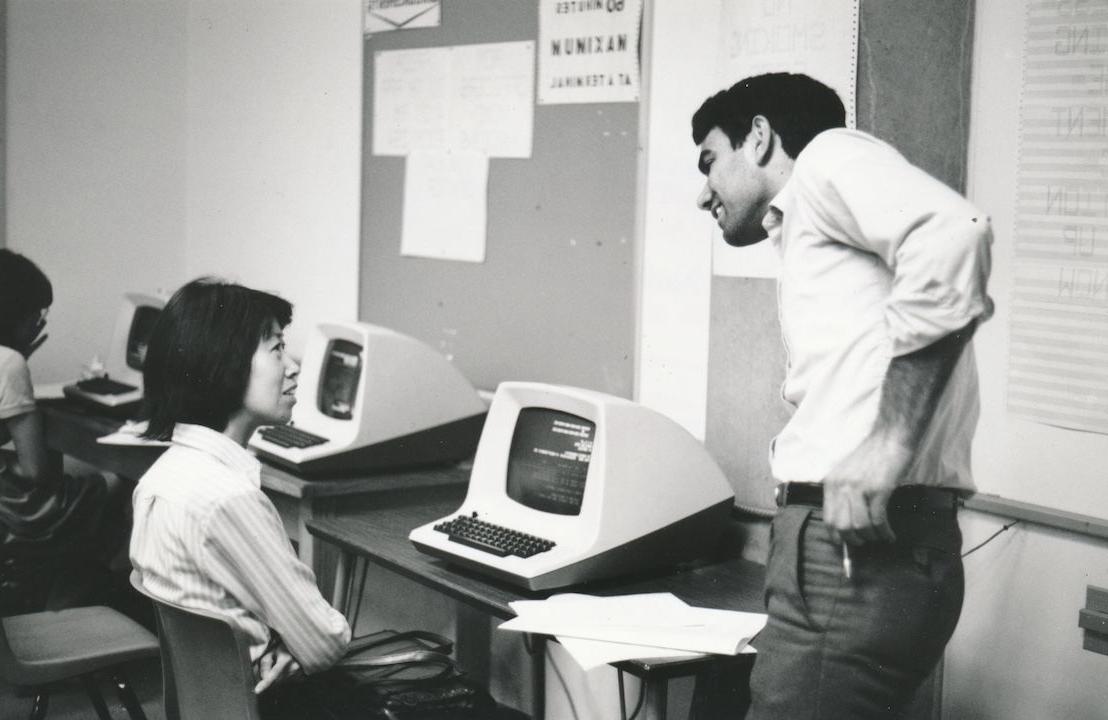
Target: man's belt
(907, 497)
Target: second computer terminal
(371, 399)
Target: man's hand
(856, 493)
(274, 666)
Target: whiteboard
(1015, 458)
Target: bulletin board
(553, 300)
(913, 92)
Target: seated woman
(57, 532)
(205, 535)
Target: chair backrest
(206, 667)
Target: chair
(40, 648)
(206, 667)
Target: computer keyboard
(495, 539)
(104, 386)
(290, 437)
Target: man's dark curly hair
(798, 108)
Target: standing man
(882, 283)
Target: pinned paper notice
(445, 206)
(385, 15)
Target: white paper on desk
(130, 433)
(641, 607)
(445, 205)
(651, 620)
(574, 609)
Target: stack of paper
(130, 433)
(601, 630)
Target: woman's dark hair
(798, 108)
(198, 361)
(24, 291)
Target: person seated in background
(205, 535)
(58, 532)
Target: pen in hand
(847, 565)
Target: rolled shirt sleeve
(249, 554)
(17, 397)
(935, 243)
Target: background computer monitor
(616, 486)
(374, 399)
(121, 389)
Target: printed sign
(588, 51)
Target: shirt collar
(775, 215)
(221, 447)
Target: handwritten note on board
(478, 97)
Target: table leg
(339, 594)
(657, 697)
(474, 639)
(537, 648)
(305, 541)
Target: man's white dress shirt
(879, 259)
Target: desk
(72, 431)
(377, 532)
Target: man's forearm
(912, 387)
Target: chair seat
(50, 646)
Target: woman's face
(270, 394)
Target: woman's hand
(275, 666)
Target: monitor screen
(339, 384)
(142, 323)
(549, 460)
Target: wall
(95, 164)
(1017, 652)
(273, 158)
(152, 142)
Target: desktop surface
(75, 427)
(377, 528)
